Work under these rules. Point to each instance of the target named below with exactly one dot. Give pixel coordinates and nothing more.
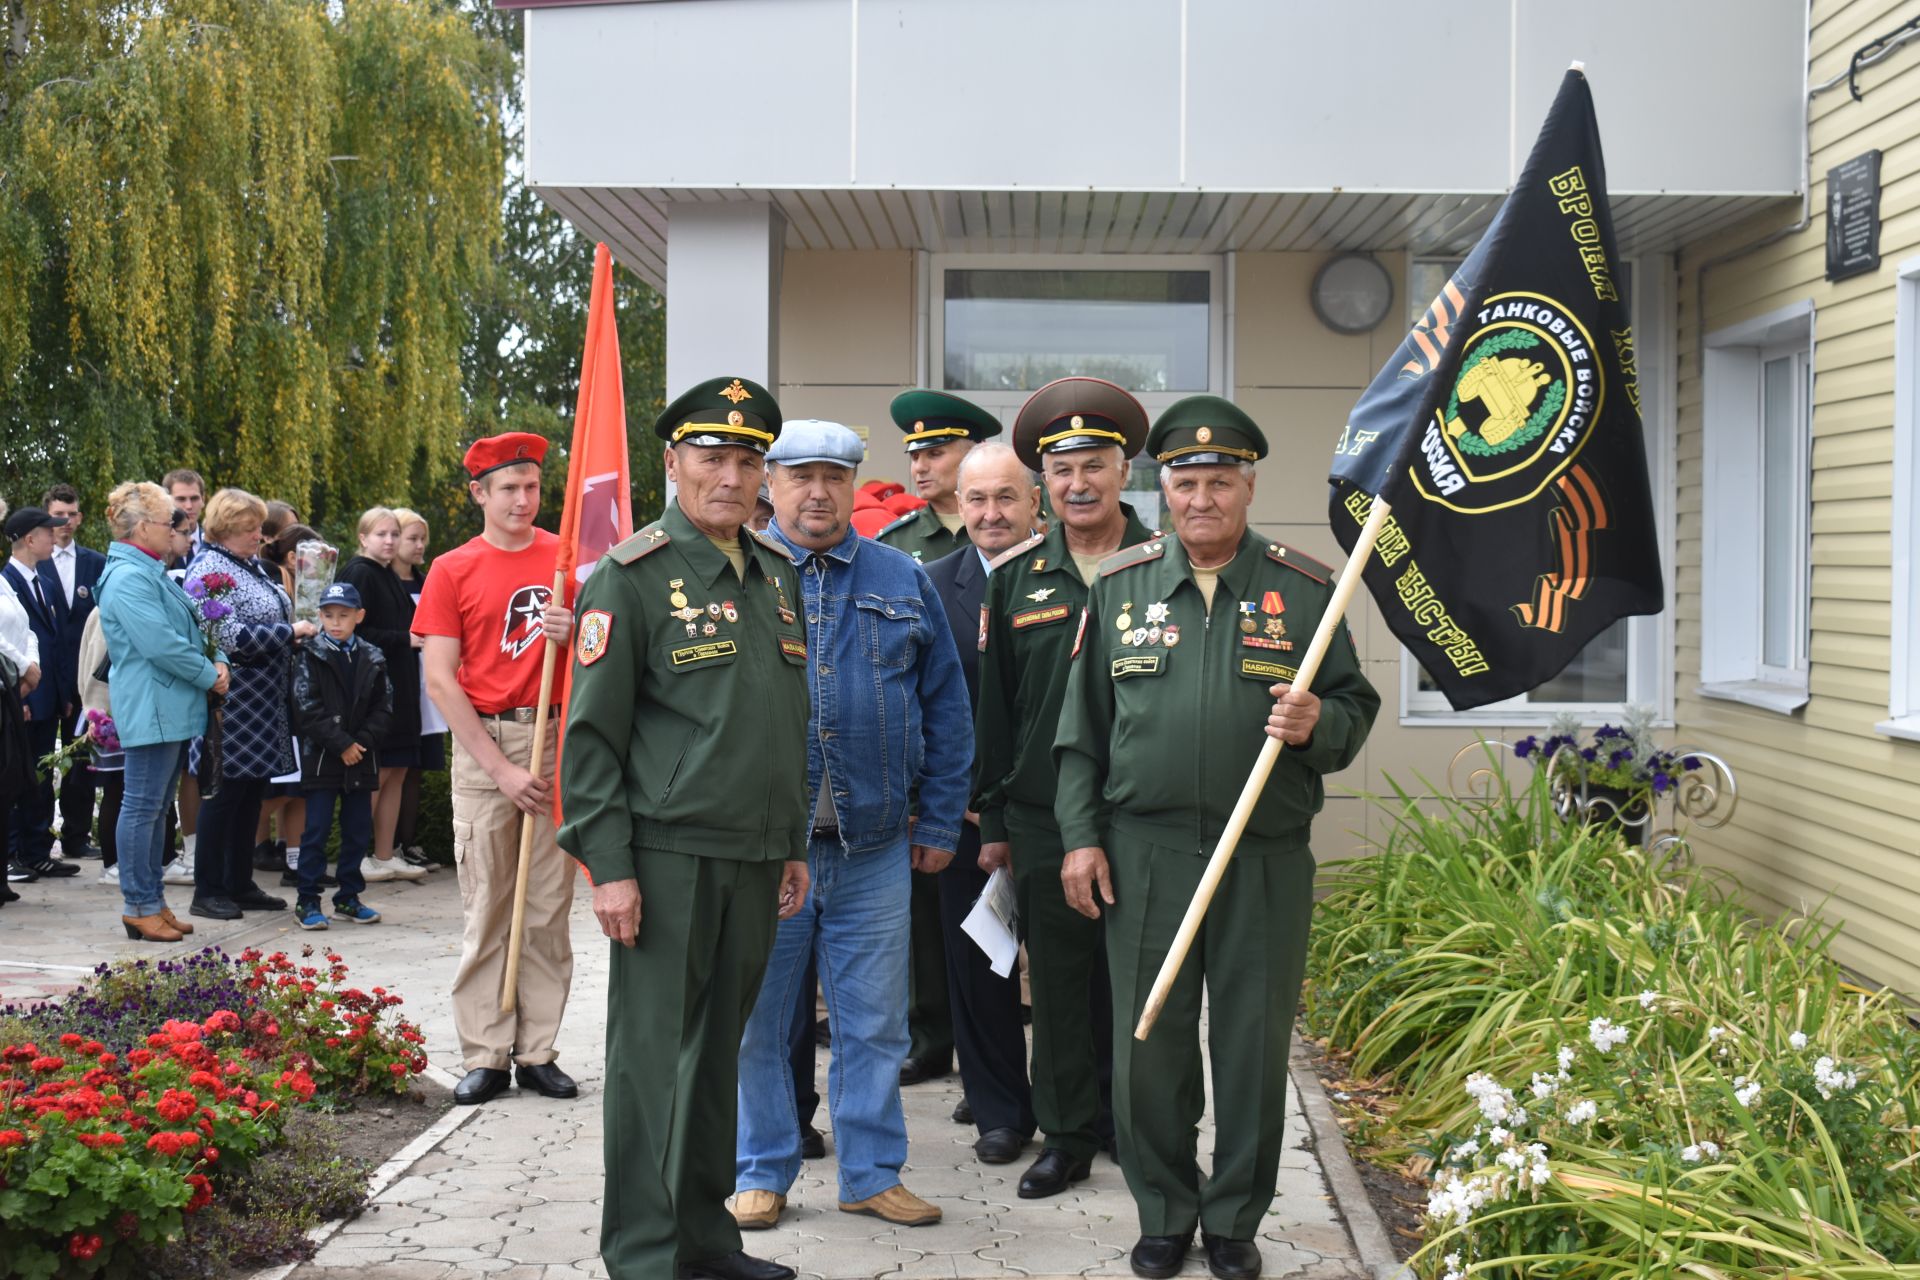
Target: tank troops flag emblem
(1504, 434)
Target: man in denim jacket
(890, 717)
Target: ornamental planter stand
(1703, 799)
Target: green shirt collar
(1059, 558)
(705, 559)
(1236, 576)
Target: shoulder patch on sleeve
(1299, 562)
(1130, 556)
(645, 542)
(1017, 549)
(771, 543)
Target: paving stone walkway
(514, 1191)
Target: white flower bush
(1605, 1036)
(1830, 1079)
(1583, 1111)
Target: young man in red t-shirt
(484, 612)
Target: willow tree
(241, 235)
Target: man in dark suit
(68, 578)
(998, 502)
(30, 831)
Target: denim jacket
(890, 709)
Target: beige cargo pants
(486, 850)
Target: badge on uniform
(81, 591)
(1046, 613)
(596, 628)
(709, 629)
(793, 647)
(1040, 596)
(1079, 635)
(1124, 623)
(728, 612)
(713, 611)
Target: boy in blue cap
(342, 701)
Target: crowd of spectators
(147, 711)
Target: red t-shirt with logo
(490, 601)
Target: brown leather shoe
(756, 1210)
(896, 1205)
(178, 926)
(152, 928)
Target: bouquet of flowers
(209, 592)
(313, 564)
(99, 738)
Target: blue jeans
(356, 836)
(141, 831)
(855, 925)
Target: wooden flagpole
(510, 984)
(1343, 590)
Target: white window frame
(1649, 639)
(1733, 515)
(1005, 404)
(1903, 687)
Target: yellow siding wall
(1829, 809)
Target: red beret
(904, 504)
(868, 521)
(490, 453)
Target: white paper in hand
(991, 922)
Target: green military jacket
(1166, 702)
(921, 535)
(1032, 609)
(687, 723)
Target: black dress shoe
(1051, 1174)
(267, 856)
(733, 1266)
(998, 1146)
(291, 880)
(812, 1145)
(215, 908)
(915, 1070)
(548, 1080)
(255, 900)
(963, 1112)
(1231, 1259)
(1159, 1256)
(481, 1085)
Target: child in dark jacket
(342, 704)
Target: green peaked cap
(1205, 431)
(722, 411)
(934, 417)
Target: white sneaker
(179, 871)
(110, 875)
(403, 870)
(373, 871)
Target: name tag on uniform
(703, 652)
(1136, 664)
(1267, 670)
(793, 646)
(1035, 617)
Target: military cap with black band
(722, 411)
(1077, 413)
(934, 418)
(1205, 431)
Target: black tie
(41, 597)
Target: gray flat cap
(812, 440)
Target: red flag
(598, 511)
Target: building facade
(846, 198)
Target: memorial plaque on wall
(1853, 217)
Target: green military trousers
(1072, 1005)
(676, 1004)
(1250, 952)
(929, 1013)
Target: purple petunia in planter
(1615, 773)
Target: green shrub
(1610, 1067)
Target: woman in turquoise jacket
(160, 676)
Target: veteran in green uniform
(940, 429)
(684, 785)
(1189, 649)
(1079, 433)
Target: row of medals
(1160, 631)
(691, 614)
(715, 610)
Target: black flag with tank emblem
(1505, 434)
